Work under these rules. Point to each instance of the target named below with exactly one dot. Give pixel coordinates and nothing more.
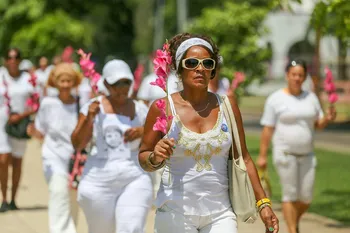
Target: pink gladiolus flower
(138, 76)
(87, 67)
(161, 105)
(329, 87)
(164, 55)
(95, 77)
(332, 98)
(161, 73)
(160, 82)
(160, 124)
(239, 77)
(329, 75)
(160, 64)
(86, 64)
(166, 47)
(33, 79)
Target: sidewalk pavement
(33, 196)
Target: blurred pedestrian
(290, 118)
(220, 85)
(114, 192)
(17, 89)
(55, 122)
(194, 191)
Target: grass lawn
(332, 187)
(255, 105)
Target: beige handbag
(241, 190)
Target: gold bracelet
(263, 206)
(154, 166)
(263, 201)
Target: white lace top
(195, 181)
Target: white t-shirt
(294, 120)
(84, 91)
(43, 76)
(19, 90)
(4, 144)
(224, 86)
(108, 145)
(56, 121)
(150, 93)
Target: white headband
(184, 46)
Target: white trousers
(111, 208)
(170, 221)
(63, 207)
(156, 177)
(297, 176)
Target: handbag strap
(232, 124)
(78, 105)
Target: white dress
(19, 90)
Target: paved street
(33, 196)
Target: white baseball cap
(115, 70)
(25, 65)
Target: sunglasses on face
(122, 83)
(192, 63)
(12, 57)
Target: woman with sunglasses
(114, 193)
(15, 84)
(290, 118)
(193, 195)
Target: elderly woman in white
(290, 116)
(114, 193)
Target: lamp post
(181, 15)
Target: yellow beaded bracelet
(263, 201)
(263, 206)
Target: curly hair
(64, 68)
(176, 41)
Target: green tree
(236, 28)
(332, 17)
(45, 27)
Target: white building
(290, 36)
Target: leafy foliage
(236, 28)
(332, 17)
(51, 33)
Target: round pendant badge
(224, 127)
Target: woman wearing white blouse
(290, 117)
(55, 122)
(16, 85)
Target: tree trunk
(317, 77)
(342, 75)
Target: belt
(295, 154)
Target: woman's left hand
(270, 220)
(331, 113)
(133, 133)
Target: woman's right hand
(261, 162)
(163, 150)
(94, 109)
